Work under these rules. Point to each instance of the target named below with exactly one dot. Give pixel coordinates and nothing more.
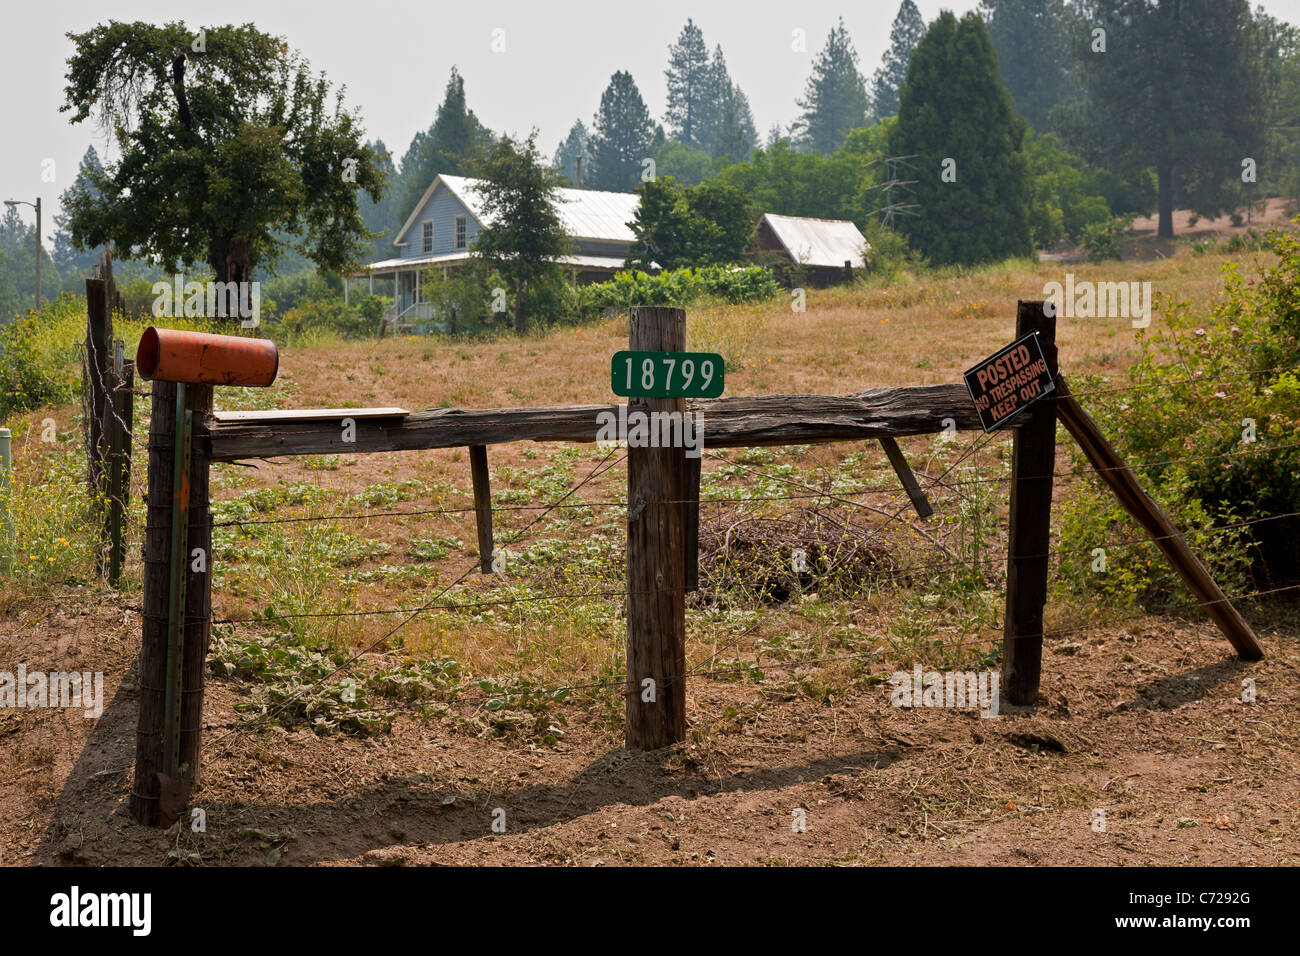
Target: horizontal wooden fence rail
(728, 423)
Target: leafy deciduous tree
(224, 149)
(523, 235)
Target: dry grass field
(512, 701)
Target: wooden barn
(825, 250)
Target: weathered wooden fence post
(6, 511)
(198, 591)
(656, 572)
(116, 431)
(478, 472)
(1033, 461)
(177, 604)
(146, 789)
(98, 375)
(124, 404)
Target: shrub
(31, 374)
(679, 287)
(1102, 239)
(1214, 428)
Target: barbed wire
(748, 669)
(598, 469)
(1194, 379)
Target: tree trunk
(1165, 175)
(519, 307)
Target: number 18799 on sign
(667, 374)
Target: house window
(461, 232)
(426, 236)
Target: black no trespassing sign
(1009, 381)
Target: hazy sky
(394, 58)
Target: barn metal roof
(586, 213)
(612, 263)
(819, 242)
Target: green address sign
(667, 374)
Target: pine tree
(451, 145)
(1185, 87)
(691, 87)
(18, 244)
(956, 118)
(381, 216)
(904, 35)
(575, 146)
(69, 259)
(1032, 40)
(736, 137)
(835, 99)
(731, 130)
(622, 136)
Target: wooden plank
(309, 414)
(904, 472)
(1123, 482)
(728, 423)
(478, 471)
(145, 789)
(656, 597)
(1033, 461)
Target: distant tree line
(1020, 126)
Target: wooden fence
(662, 525)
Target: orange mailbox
(196, 358)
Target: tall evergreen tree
(1032, 40)
(735, 136)
(1185, 86)
(622, 136)
(575, 145)
(731, 129)
(956, 117)
(904, 35)
(18, 243)
(381, 216)
(71, 260)
(835, 100)
(691, 87)
(452, 145)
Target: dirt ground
(1145, 723)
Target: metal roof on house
(614, 264)
(585, 213)
(819, 242)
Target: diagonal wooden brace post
(1121, 480)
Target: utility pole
(37, 206)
